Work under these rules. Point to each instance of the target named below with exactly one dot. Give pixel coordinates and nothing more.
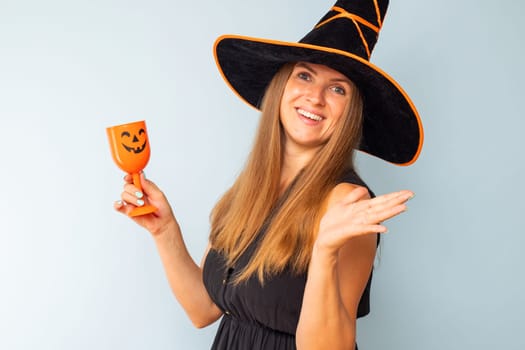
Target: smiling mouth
(309, 115)
(135, 149)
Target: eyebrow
(313, 71)
(306, 66)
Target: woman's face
(314, 100)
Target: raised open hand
(355, 214)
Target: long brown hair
(240, 214)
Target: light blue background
(76, 275)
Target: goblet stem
(136, 181)
(145, 209)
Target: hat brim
(392, 128)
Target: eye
(304, 76)
(339, 90)
(141, 131)
(125, 133)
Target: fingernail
(139, 194)
(140, 202)
(119, 203)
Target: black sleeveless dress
(261, 317)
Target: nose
(315, 94)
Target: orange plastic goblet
(130, 149)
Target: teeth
(310, 115)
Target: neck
(294, 160)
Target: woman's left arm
(342, 259)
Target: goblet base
(146, 209)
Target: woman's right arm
(184, 275)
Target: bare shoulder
(206, 251)
(342, 190)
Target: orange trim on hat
(378, 14)
(328, 50)
(365, 43)
(222, 72)
(345, 14)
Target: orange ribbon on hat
(342, 13)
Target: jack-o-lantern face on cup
(130, 150)
(129, 146)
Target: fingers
(128, 178)
(379, 215)
(131, 194)
(356, 216)
(393, 197)
(367, 211)
(373, 211)
(360, 193)
(118, 205)
(370, 229)
(122, 207)
(386, 206)
(387, 200)
(148, 187)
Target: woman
(293, 241)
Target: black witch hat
(343, 40)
